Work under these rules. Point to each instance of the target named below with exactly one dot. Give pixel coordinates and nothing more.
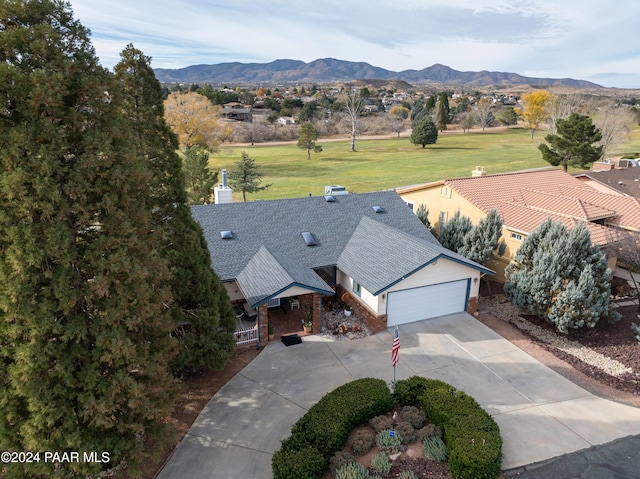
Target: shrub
(327, 424)
(470, 433)
(296, 463)
(381, 423)
(362, 441)
(380, 463)
(414, 416)
(388, 440)
(338, 460)
(353, 470)
(406, 432)
(407, 475)
(435, 448)
(430, 430)
(408, 391)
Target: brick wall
(374, 322)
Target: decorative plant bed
(339, 420)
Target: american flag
(395, 349)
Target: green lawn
(389, 163)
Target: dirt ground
(193, 396)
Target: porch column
(317, 313)
(263, 314)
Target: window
(410, 205)
(516, 236)
(357, 289)
(443, 218)
(445, 191)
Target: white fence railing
(244, 336)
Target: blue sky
(591, 40)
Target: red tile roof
(525, 199)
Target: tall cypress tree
(84, 334)
(200, 307)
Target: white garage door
(427, 302)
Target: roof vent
(308, 238)
(330, 199)
(378, 209)
(226, 234)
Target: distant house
(607, 178)
(286, 120)
(524, 200)
(237, 112)
(369, 246)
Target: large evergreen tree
(575, 143)
(424, 131)
(560, 275)
(200, 306)
(84, 332)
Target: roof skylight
(330, 199)
(308, 238)
(378, 209)
(226, 234)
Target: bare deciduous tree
(560, 107)
(353, 106)
(484, 115)
(614, 122)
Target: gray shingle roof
(269, 232)
(265, 276)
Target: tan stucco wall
(436, 202)
(449, 201)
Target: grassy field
(389, 163)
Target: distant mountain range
(327, 70)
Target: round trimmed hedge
(470, 433)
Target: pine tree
(480, 243)
(423, 213)
(424, 132)
(453, 232)
(560, 275)
(442, 111)
(246, 177)
(200, 307)
(574, 145)
(200, 180)
(84, 332)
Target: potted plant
(347, 310)
(270, 332)
(307, 324)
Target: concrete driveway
(541, 414)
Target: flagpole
(394, 355)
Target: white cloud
(569, 38)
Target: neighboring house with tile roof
(369, 245)
(524, 200)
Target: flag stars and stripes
(395, 349)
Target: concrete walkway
(541, 414)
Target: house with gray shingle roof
(370, 246)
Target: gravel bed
(507, 312)
(339, 327)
